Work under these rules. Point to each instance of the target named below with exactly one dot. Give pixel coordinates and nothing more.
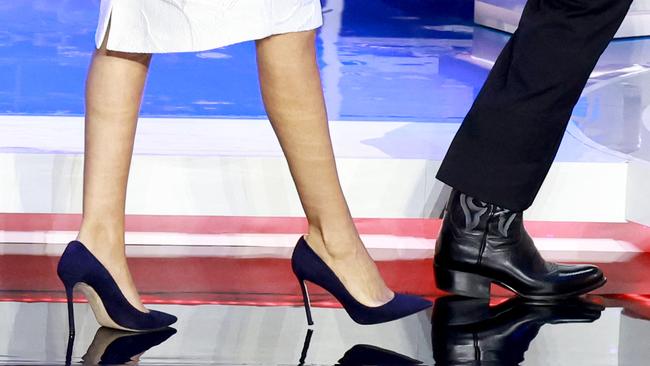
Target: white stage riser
(262, 186)
(504, 16)
(638, 196)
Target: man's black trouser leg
(506, 145)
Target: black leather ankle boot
(471, 332)
(481, 243)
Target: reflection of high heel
(469, 331)
(79, 268)
(115, 347)
(305, 346)
(363, 354)
(307, 266)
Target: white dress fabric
(161, 26)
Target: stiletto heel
(68, 351)
(462, 283)
(305, 299)
(79, 267)
(69, 294)
(307, 266)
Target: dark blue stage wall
(397, 62)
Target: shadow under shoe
(481, 243)
(468, 331)
(78, 267)
(116, 347)
(308, 266)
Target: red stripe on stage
(257, 281)
(204, 280)
(427, 228)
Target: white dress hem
(153, 26)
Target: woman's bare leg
(293, 97)
(113, 95)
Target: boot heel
(69, 293)
(305, 299)
(462, 283)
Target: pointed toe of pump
(400, 306)
(412, 304)
(162, 319)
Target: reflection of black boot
(115, 347)
(362, 354)
(471, 332)
(481, 243)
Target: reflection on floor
(241, 306)
(458, 331)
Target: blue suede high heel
(79, 267)
(308, 266)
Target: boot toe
(581, 273)
(581, 277)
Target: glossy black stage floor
(457, 331)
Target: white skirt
(161, 26)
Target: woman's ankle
(341, 243)
(102, 237)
